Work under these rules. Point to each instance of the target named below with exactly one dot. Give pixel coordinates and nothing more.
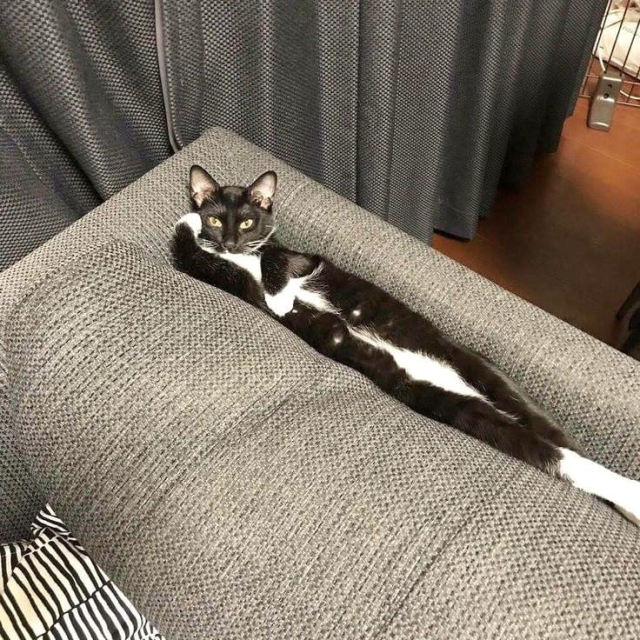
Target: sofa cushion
(237, 484)
(593, 390)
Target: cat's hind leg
(484, 422)
(506, 395)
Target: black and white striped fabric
(50, 589)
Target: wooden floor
(569, 239)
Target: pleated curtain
(416, 110)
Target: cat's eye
(214, 222)
(245, 225)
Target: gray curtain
(415, 109)
(412, 108)
(81, 111)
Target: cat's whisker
(259, 242)
(256, 245)
(208, 246)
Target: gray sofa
(236, 484)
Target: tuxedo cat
(228, 243)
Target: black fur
(231, 207)
(510, 422)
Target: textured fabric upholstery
(594, 390)
(237, 484)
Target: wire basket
(617, 46)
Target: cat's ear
(263, 189)
(203, 186)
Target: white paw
(593, 478)
(193, 221)
(281, 303)
(629, 515)
(627, 500)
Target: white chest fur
(282, 302)
(247, 261)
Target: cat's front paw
(281, 303)
(193, 221)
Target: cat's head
(234, 219)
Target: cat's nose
(228, 244)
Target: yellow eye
(246, 224)
(214, 222)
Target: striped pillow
(51, 590)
